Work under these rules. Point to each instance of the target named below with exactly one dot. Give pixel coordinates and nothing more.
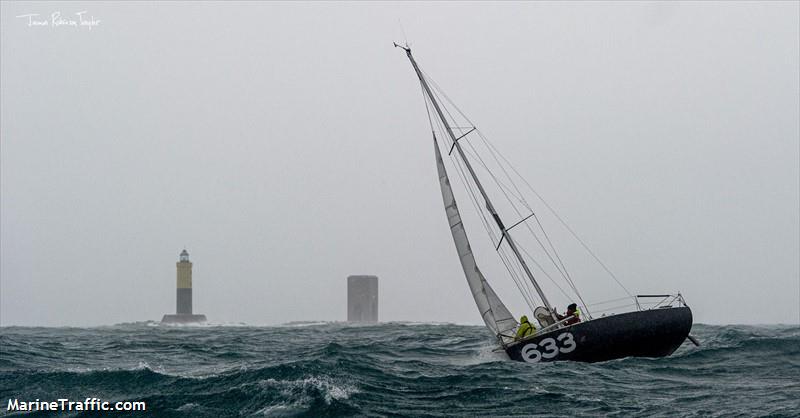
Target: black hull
(650, 333)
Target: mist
(286, 146)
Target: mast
(489, 206)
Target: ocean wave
(329, 369)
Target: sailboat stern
(647, 333)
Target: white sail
(494, 312)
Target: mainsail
(494, 312)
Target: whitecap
(329, 389)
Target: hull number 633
(548, 348)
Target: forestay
(494, 312)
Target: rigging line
(553, 247)
(503, 188)
(519, 195)
(454, 121)
(452, 103)
(617, 307)
(543, 271)
(473, 198)
(520, 198)
(503, 252)
(563, 269)
(473, 195)
(502, 185)
(427, 109)
(569, 278)
(525, 292)
(489, 205)
(475, 155)
(494, 153)
(523, 286)
(571, 231)
(564, 223)
(609, 301)
(520, 214)
(564, 273)
(514, 265)
(430, 122)
(517, 265)
(514, 269)
(566, 277)
(489, 303)
(438, 89)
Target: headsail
(494, 312)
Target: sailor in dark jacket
(573, 313)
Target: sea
(389, 369)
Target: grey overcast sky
(286, 146)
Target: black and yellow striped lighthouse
(183, 305)
(184, 300)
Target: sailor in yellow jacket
(526, 329)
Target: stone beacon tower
(362, 299)
(183, 309)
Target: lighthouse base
(183, 319)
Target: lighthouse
(183, 303)
(184, 293)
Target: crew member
(573, 313)
(526, 329)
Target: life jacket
(525, 329)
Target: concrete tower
(183, 306)
(362, 298)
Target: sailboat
(655, 327)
